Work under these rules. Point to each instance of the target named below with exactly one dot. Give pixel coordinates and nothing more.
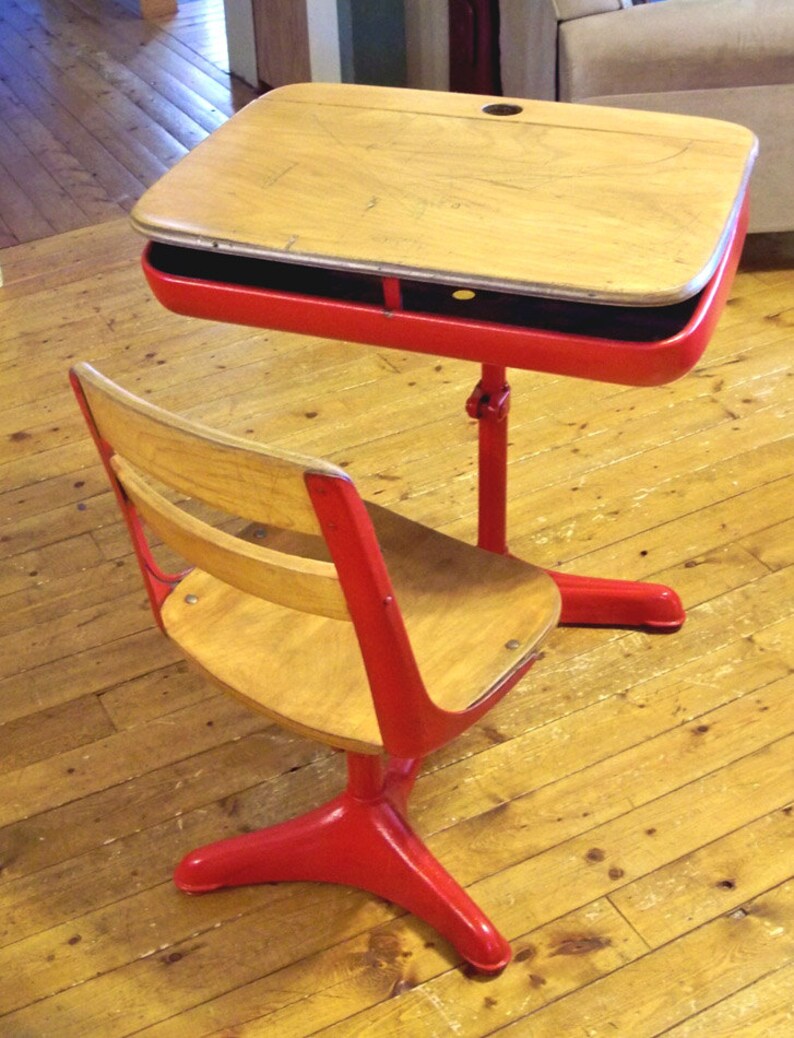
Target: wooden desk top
(569, 201)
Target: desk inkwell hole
(500, 108)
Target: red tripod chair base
(361, 839)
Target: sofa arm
(568, 10)
(677, 45)
(528, 41)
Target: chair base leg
(361, 839)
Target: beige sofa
(727, 59)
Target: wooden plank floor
(626, 814)
(96, 103)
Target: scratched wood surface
(576, 201)
(625, 814)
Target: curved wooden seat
(473, 618)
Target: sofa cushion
(677, 45)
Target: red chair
(349, 624)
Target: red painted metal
(617, 603)
(585, 600)
(411, 724)
(362, 839)
(634, 363)
(490, 405)
(392, 294)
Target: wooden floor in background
(625, 814)
(96, 104)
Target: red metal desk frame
(496, 346)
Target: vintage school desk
(585, 241)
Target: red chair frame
(361, 837)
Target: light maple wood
(225, 471)
(288, 580)
(762, 1008)
(561, 200)
(472, 618)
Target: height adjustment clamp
(482, 404)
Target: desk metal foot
(618, 603)
(585, 600)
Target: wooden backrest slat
(289, 580)
(241, 478)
